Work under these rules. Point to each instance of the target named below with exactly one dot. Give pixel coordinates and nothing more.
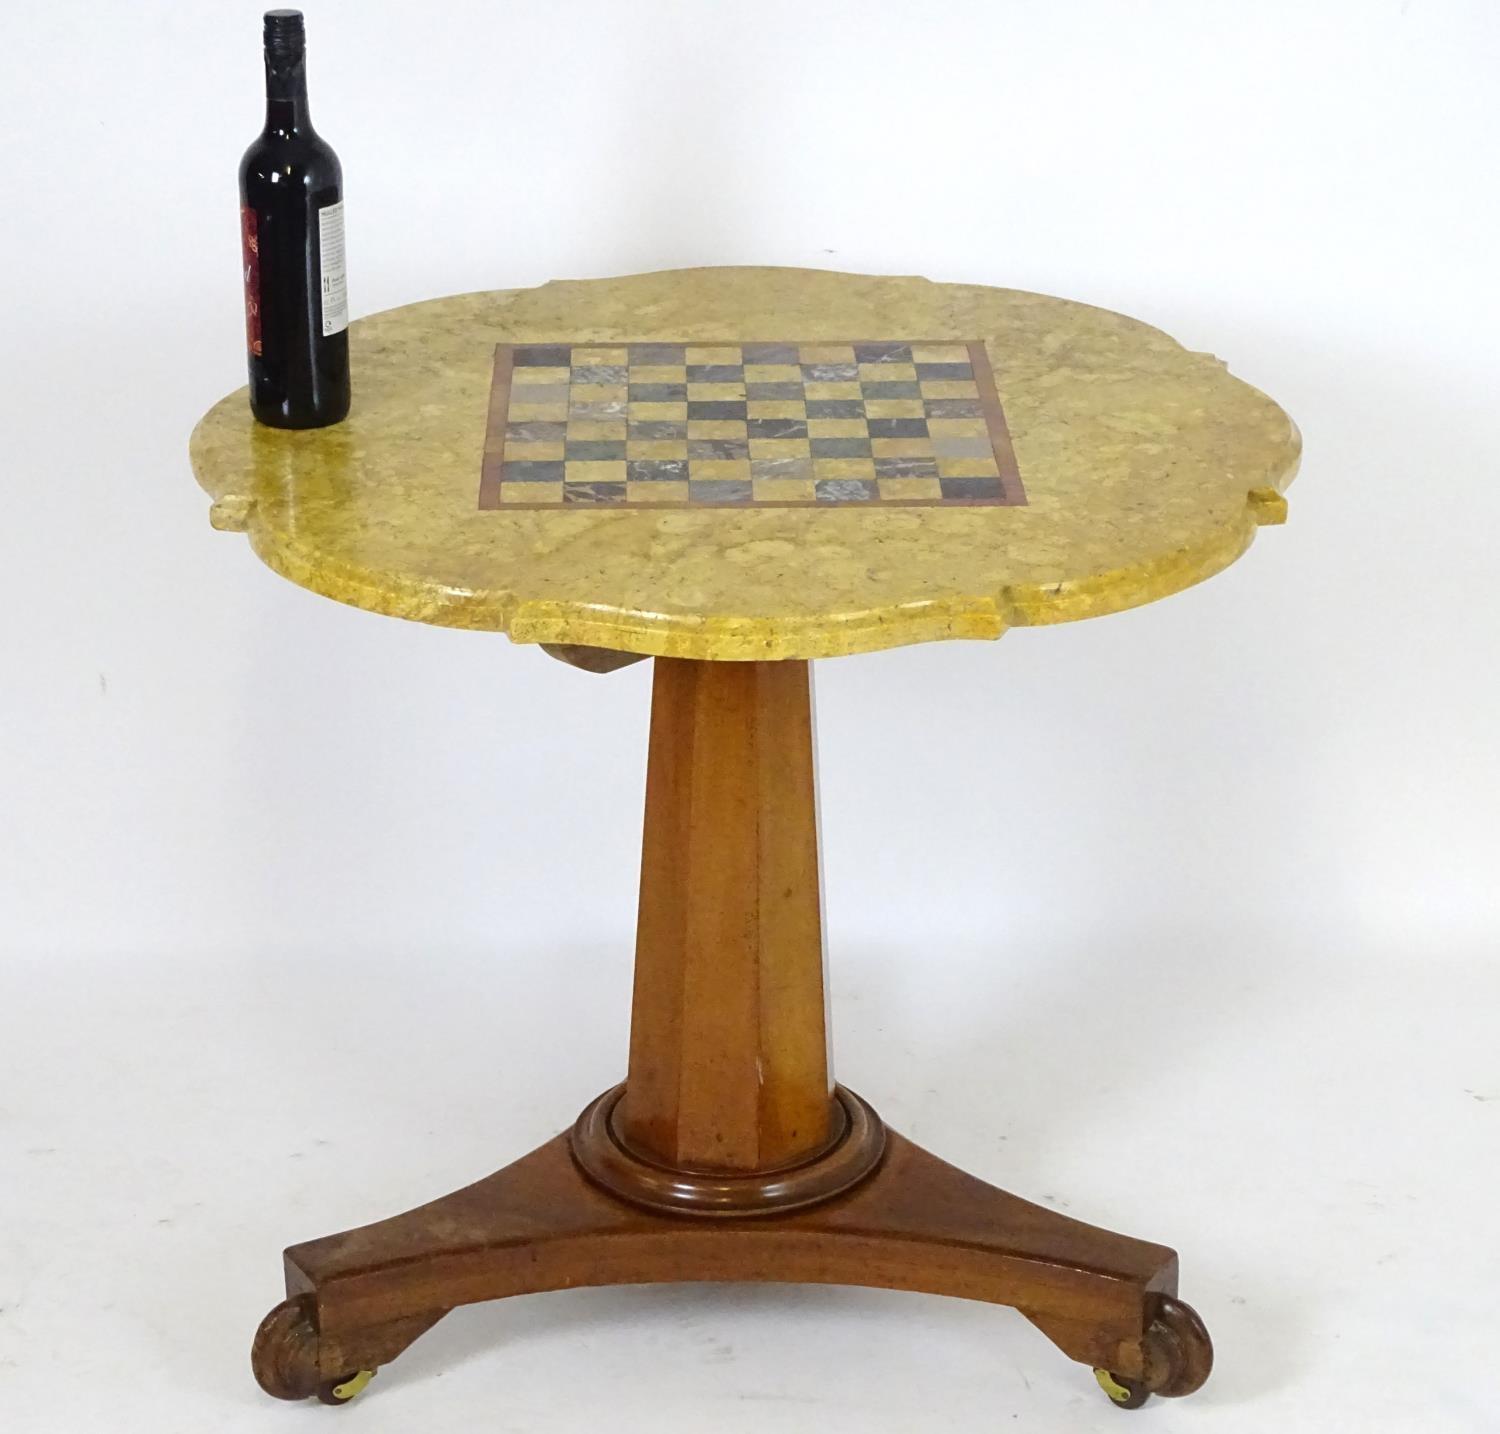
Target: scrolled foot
(1176, 1358)
(1179, 1355)
(284, 1355)
(293, 1359)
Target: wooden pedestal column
(729, 1061)
(730, 1087)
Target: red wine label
(250, 246)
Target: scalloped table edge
(750, 639)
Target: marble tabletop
(752, 464)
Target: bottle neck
(286, 95)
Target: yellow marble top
(1146, 468)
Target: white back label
(331, 264)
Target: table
(736, 471)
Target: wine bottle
(292, 229)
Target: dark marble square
(535, 430)
(658, 393)
(882, 353)
(840, 447)
(898, 389)
(648, 355)
(595, 450)
(718, 448)
(944, 371)
(829, 372)
(972, 488)
(597, 408)
(532, 471)
(716, 408)
(952, 408)
(835, 408)
(657, 428)
(719, 490)
(593, 492)
(542, 355)
(898, 427)
(906, 468)
(656, 470)
(600, 373)
(777, 427)
(846, 490)
(778, 391)
(715, 373)
(769, 353)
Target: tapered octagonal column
(729, 1059)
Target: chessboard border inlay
(1012, 492)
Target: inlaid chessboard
(685, 425)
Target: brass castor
(1177, 1357)
(341, 1391)
(1123, 1393)
(284, 1358)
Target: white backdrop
(1227, 903)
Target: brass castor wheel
(341, 1391)
(1123, 1393)
(284, 1358)
(1177, 1356)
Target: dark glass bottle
(292, 225)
